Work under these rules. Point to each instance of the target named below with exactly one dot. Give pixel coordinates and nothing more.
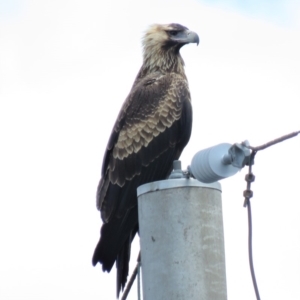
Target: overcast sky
(65, 69)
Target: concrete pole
(182, 240)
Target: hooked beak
(186, 37)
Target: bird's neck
(161, 60)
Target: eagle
(151, 130)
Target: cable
(132, 278)
(250, 250)
(248, 194)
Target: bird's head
(165, 41)
(169, 36)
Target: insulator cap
(211, 164)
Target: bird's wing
(152, 129)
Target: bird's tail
(115, 245)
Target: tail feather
(115, 245)
(122, 263)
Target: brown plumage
(153, 127)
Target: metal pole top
(175, 183)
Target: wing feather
(151, 131)
(143, 130)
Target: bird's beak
(186, 37)
(192, 37)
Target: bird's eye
(173, 32)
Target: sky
(66, 68)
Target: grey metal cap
(175, 183)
